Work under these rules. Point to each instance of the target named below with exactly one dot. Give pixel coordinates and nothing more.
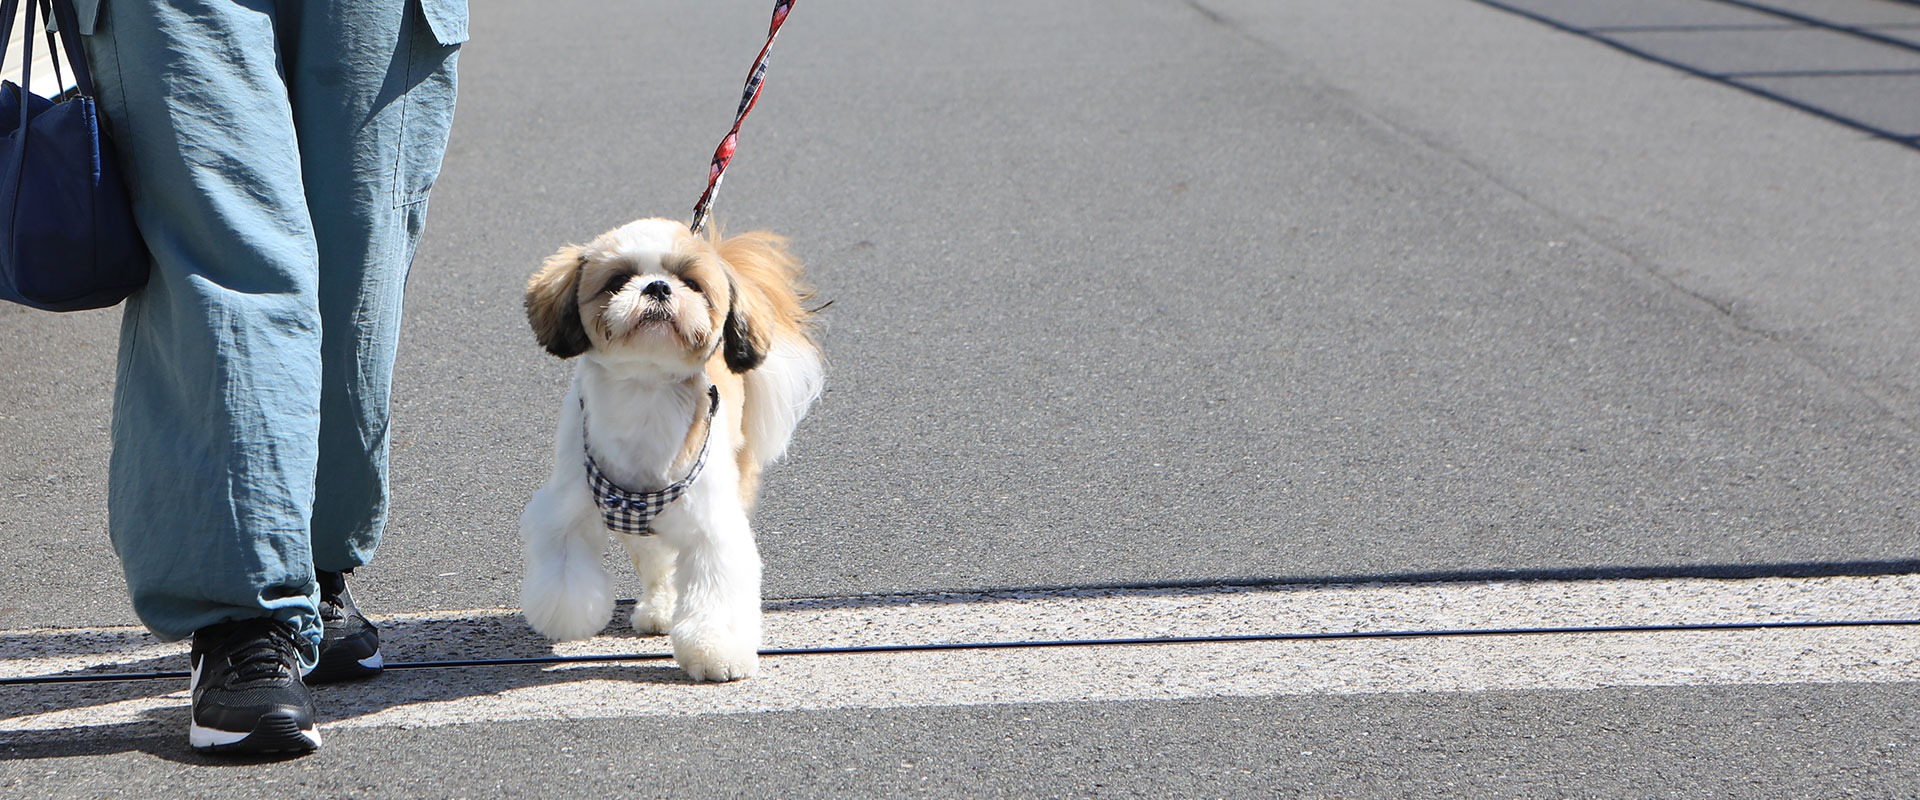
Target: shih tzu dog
(697, 359)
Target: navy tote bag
(67, 237)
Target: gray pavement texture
(1608, 743)
(1856, 62)
(1161, 293)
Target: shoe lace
(333, 587)
(258, 658)
(265, 662)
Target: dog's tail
(779, 393)
(790, 373)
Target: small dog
(697, 359)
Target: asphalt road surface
(1146, 297)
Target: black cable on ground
(1045, 644)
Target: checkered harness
(630, 512)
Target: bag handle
(60, 11)
(8, 8)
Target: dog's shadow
(152, 713)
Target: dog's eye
(615, 284)
(694, 286)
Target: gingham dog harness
(631, 512)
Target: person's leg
(216, 419)
(372, 91)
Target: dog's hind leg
(654, 561)
(567, 593)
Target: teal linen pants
(279, 158)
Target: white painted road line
(425, 697)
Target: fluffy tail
(779, 393)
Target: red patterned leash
(723, 154)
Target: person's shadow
(91, 718)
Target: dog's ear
(766, 297)
(553, 304)
(743, 346)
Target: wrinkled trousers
(279, 157)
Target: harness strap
(630, 512)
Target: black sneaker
(350, 648)
(247, 692)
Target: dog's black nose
(658, 290)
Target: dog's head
(649, 293)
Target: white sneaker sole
(273, 735)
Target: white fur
(779, 392)
(639, 236)
(700, 571)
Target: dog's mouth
(648, 320)
(651, 325)
(654, 313)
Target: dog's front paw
(653, 615)
(716, 652)
(564, 605)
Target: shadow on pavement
(149, 715)
(1806, 569)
